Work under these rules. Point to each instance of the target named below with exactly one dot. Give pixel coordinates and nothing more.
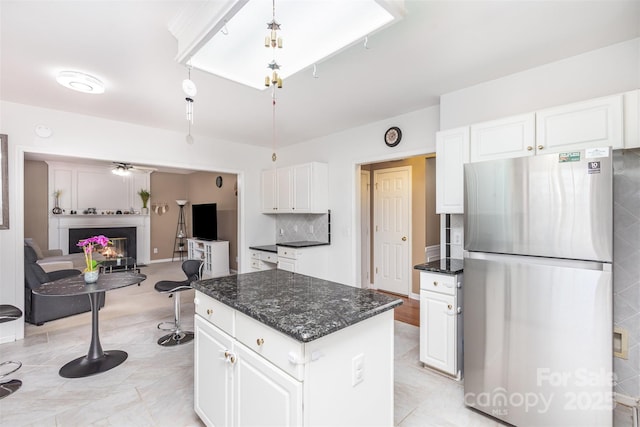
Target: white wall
(94, 138)
(606, 71)
(343, 151)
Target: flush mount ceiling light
(315, 30)
(80, 81)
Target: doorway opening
(390, 213)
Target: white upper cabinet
(504, 138)
(284, 185)
(452, 151)
(593, 123)
(296, 189)
(269, 191)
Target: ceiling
(439, 47)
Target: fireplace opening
(123, 240)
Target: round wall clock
(219, 182)
(392, 136)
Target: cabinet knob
(209, 311)
(230, 357)
(435, 283)
(540, 147)
(260, 341)
(404, 238)
(529, 148)
(449, 306)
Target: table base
(84, 367)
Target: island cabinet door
(213, 376)
(265, 395)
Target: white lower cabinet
(441, 322)
(263, 260)
(438, 347)
(235, 386)
(213, 387)
(265, 395)
(249, 374)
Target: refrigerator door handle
(523, 259)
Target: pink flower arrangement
(88, 246)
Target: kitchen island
(280, 348)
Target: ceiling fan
(124, 169)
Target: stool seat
(9, 313)
(192, 269)
(171, 286)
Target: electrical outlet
(281, 231)
(311, 229)
(155, 250)
(357, 369)
(457, 238)
(295, 228)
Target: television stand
(213, 253)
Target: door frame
(365, 224)
(409, 216)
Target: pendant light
(190, 90)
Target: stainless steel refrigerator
(538, 289)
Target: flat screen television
(204, 221)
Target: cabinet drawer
(215, 312)
(255, 255)
(255, 263)
(269, 257)
(288, 253)
(441, 283)
(279, 349)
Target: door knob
(404, 238)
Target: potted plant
(144, 195)
(89, 247)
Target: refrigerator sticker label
(594, 167)
(591, 153)
(569, 157)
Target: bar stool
(9, 313)
(192, 269)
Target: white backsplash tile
(302, 227)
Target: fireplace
(60, 226)
(123, 239)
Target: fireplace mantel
(59, 226)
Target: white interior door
(392, 229)
(365, 229)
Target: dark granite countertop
(445, 266)
(302, 307)
(266, 248)
(301, 244)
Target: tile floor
(154, 387)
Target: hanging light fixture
(273, 41)
(190, 90)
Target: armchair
(39, 309)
